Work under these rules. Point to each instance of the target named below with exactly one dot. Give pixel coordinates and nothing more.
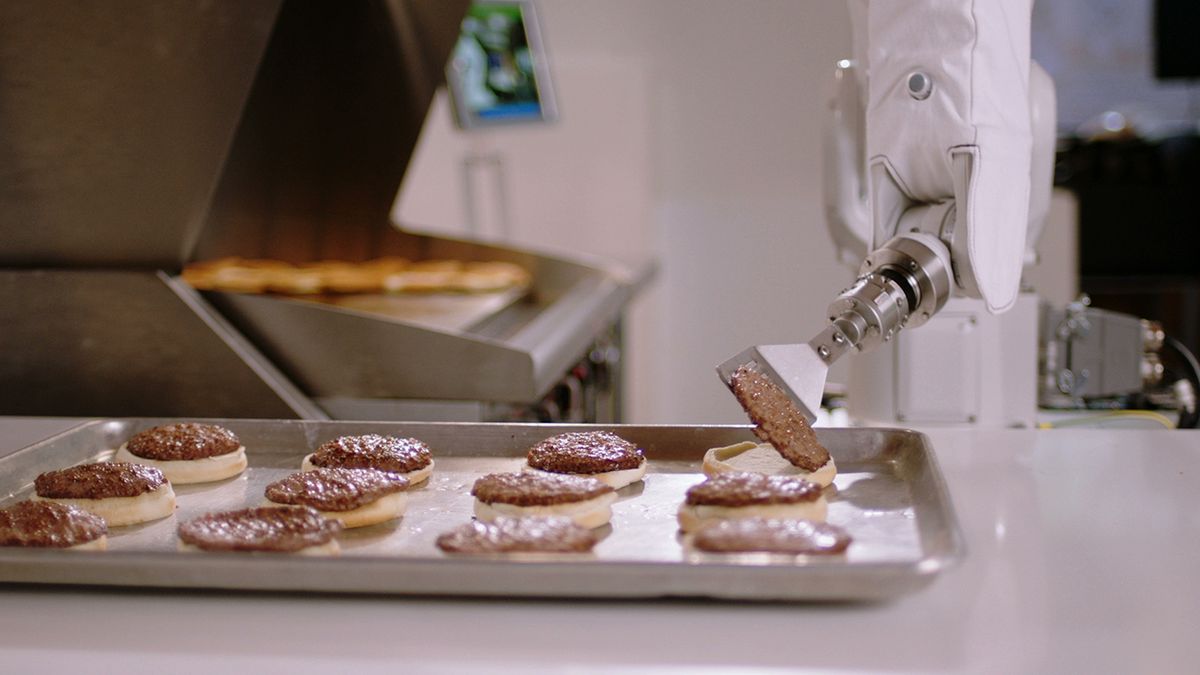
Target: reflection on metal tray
(889, 496)
(437, 311)
(514, 353)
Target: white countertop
(1083, 556)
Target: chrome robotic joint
(904, 282)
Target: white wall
(740, 92)
(690, 132)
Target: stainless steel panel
(328, 351)
(114, 123)
(129, 130)
(515, 355)
(455, 312)
(88, 342)
(889, 495)
(329, 129)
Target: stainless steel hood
(328, 131)
(115, 120)
(312, 175)
(118, 123)
(139, 136)
(129, 130)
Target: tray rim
(917, 573)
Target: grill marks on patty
(553, 534)
(186, 441)
(372, 451)
(48, 525)
(796, 537)
(102, 480)
(752, 489)
(536, 489)
(777, 420)
(335, 489)
(282, 529)
(585, 452)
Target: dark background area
(1177, 39)
(1128, 80)
(1139, 226)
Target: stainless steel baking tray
(889, 495)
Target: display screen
(497, 72)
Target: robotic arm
(946, 168)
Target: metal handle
(903, 283)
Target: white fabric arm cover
(970, 140)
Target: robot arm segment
(948, 118)
(948, 153)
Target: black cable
(1187, 420)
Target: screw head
(823, 351)
(920, 85)
(1066, 381)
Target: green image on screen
(493, 66)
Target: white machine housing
(923, 120)
(932, 157)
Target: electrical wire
(1092, 419)
(1187, 420)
